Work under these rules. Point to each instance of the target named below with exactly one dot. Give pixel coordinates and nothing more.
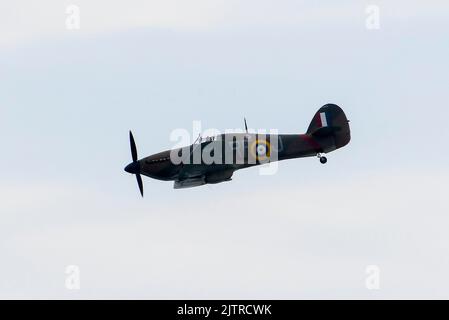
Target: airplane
(191, 166)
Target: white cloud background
(69, 97)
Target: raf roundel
(260, 149)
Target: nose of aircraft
(133, 167)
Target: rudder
(331, 120)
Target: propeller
(134, 167)
(246, 126)
(133, 146)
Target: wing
(189, 182)
(215, 176)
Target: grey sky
(68, 99)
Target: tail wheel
(322, 158)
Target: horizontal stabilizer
(325, 131)
(330, 120)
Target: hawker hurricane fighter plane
(215, 159)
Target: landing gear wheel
(323, 160)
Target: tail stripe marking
(323, 119)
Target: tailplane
(330, 120)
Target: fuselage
(215, 159)
(237, 153)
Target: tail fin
(331, 120)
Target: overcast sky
(69, 97)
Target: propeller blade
(139, 182)
(246, 126)
(133, 146)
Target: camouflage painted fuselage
(215, 160)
